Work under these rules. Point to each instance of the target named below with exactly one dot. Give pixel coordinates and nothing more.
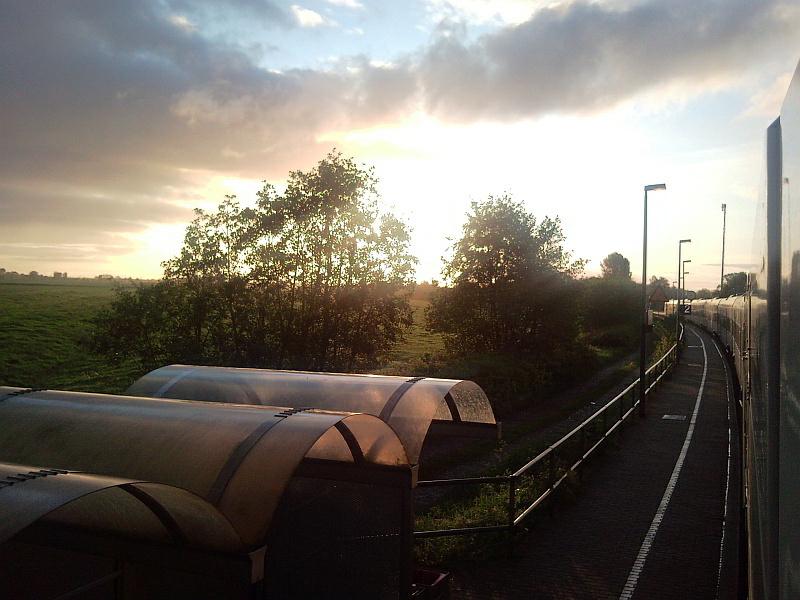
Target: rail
(532, 484)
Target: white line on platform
(638, 564)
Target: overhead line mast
(722, 268)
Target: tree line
(319, 277)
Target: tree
(338, 270)
(733, 284)
(610, 302)
(316, 278)
(663, 283)
(705, 293)
(511, 284)
(616, 266)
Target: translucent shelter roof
(409, 406)
(208, 474)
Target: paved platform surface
(648, 520)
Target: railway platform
(657, 517)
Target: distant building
(57, 275)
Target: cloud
(766, 102)
(60, 254)
(582, 57)
(111, 110)
(483, 11)
(70, 211)
(307, 18)
(346, 3)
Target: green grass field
(40, 327)
(42, 323)
(417, 342)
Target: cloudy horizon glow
(119, 118)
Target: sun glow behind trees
(314, 278)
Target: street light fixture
(678, 297)
(644, 307)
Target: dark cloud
(108, 108)
(32, 253)
(581, 56)
(87, 212)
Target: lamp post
(644, 307)
(685, 272)
(678, 297)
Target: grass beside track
(486, 505)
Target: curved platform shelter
(174, 496)
(412, 407)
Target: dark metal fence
(533, 483)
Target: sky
(119, 118)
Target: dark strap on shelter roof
(388, 408)
(16, 517)
(352, 442)
(237, 456)
(451, 404)
(246, 388)
(165, 388)
(163, 515)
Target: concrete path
(648, 520)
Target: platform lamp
(644, 307)
(678, 297)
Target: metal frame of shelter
(122, 497)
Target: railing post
(621, 408)
(583, 440)
(552, 479)
(512, 512)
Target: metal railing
(531, 485)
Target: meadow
(417, 345)
(41, 327)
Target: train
(760, 329)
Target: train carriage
(761, 332)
